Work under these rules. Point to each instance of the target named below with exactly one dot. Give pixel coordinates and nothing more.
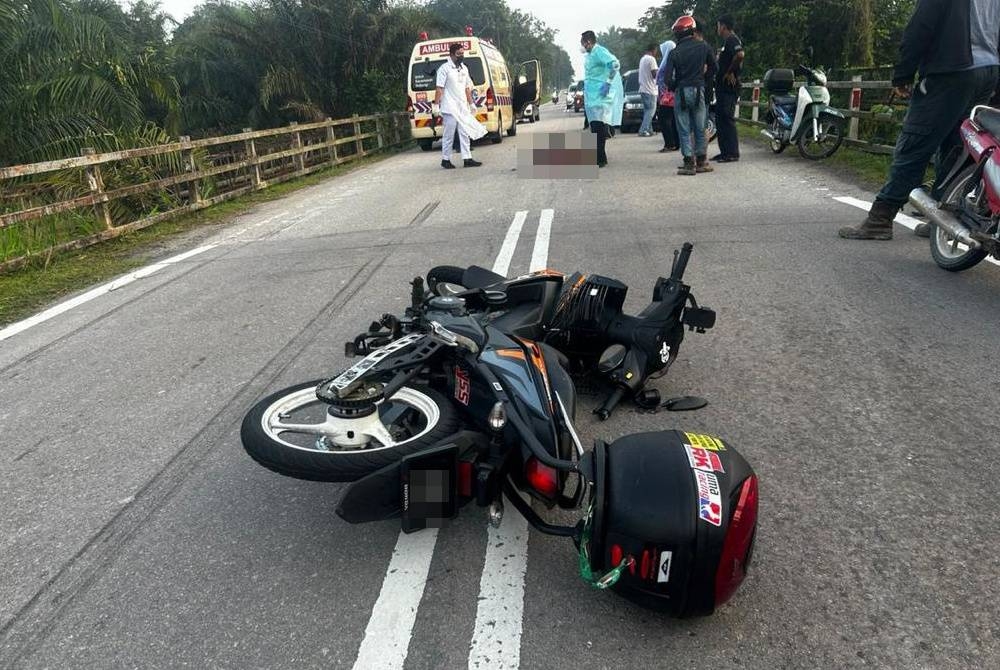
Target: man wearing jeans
(953, 45)
(685, 75)
(647, 90)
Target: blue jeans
(648, 109)
(691, 115)
(936, 111)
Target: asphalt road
(135, 532)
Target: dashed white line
(901, 219)
(387, 637)
(63, 307)
(506, 254)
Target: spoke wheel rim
(277, 418)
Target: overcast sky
(569, 17)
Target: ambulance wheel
(426, 145)
(498, 138)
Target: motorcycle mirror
(612, 358)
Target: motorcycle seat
(989, 119)
(785, 100)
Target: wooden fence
(77, 202)
(860, 94)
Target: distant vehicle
(632, 114)
(578, 97)
(555, 97)
(570, 94)
(497, 98)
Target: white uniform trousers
(448, 139)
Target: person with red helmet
(685, 76)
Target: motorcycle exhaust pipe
(946, 221)
(769, 135)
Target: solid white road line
(540, 256)
(901, 219)
(62, 307)
(502, 263)
(390, 628)
(496, 642)
(387, 637)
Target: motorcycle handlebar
(681, 262)
(609, 405)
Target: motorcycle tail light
(737, 548)
(542, 478)
(491, 99)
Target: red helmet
(684, 26)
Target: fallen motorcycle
(469, 397)
(964, 207)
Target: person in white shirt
(454, 100)
(648, 91)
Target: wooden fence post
(331, 137)
(299, 159)
(755, 98)
(397, 129)
(189, 166)
(359, 150)
(855, 106)
(379, 126)
(96, 183)
(251, 153)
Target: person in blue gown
(603, 92)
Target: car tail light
(491, 99)
(737, 548)
(542, 478)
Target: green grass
(868, 169)
(46, 279)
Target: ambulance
(500, 100)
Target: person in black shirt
(727, 91)
(685, 76)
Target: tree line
(834, 34)
(92, 73)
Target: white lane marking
(62, 307)
(496, 642)
(901, 219)
(387, 637)
(502, 263)
(540, 256)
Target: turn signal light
(542, 478)
(737, 548)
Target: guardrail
(853, 112)
(78, 202)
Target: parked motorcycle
(469, 397)
(964, 207)
(807, 119)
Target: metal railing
(99, 196)
(854, 110)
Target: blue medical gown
(597, 68)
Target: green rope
(607, 580)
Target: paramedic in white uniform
(454, 97)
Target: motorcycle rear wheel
(419, 415)
(946, 251)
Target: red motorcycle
(965, 208)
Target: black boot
(878, 225)
(688, 167)
(703, 165)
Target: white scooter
(806, 119)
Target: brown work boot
(688, 168)
(878, 225)
(703, 165)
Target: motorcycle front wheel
(946, 251)
(824, 144)
(291, 433)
